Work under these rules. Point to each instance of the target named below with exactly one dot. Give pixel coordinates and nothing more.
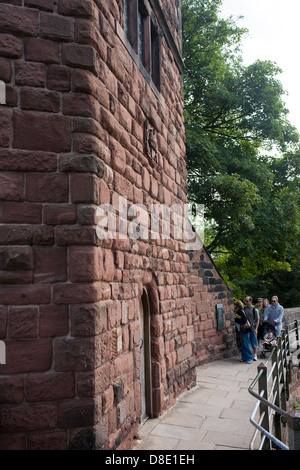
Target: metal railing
(271, 389)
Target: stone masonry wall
(208, 289)
(72, 138)
(290, 315)
(294, 380)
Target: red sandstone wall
(71, 136)
(294, 381)
(172, 11)
(209, 289)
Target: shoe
(249, 362)
(255, 357)
(242, 360)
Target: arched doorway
(145, 347)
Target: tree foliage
(234, 114)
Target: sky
(274, 34)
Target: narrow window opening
(155, 57)
(141, 44)
(126, 18)
(131, 23)
(143, 38)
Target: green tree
(233, 114)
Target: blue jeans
(253, 339)
(245, 347)
(278, 328)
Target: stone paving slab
(215, 415)
(229, 440)
(175, 431)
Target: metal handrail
(278, 377)
(264, 400)
(263, 431)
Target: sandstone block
(10, 46)
(41, 50)
(50, 187)
(42, 132)
(50, 264)
(57, 214)
(73, 235)
(22, 213)
(59, 78)
(5, 70)
(85, 264)
(81, 104)
(85, 188)
(46, 5)
(5, 127)
(40, 100)
(11, 186)
(22, 160)
(88, 319)
(80, 55)
(50, 387)
(25, 295)
(77, 293)
(53, 320)
(27, 356)
(30, 73)
(76, 8)
(123, 363)
(76, 354)
(16, 258)
(11, 383)
(157, 347)
(28, 418)
(56, 27)
(45, 441)
(13, 443)
(76, 413)
(18, 21)
(23, 322)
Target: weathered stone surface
(42, 132)
(10, 46)
(34, 355)
(74, 140)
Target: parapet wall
(208, 291)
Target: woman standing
(241, 322)
(262, 307)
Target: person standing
(262, 306)
(253, 317)
(274, 314)
(260, 326)
(244, 333)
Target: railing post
(283, 397)
(286, 352)
(285, 344)
(263, 408)
(297, 333)
(287, 339)
(276, 391)
(293, 421)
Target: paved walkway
(214, 415)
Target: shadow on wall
(208, 290)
